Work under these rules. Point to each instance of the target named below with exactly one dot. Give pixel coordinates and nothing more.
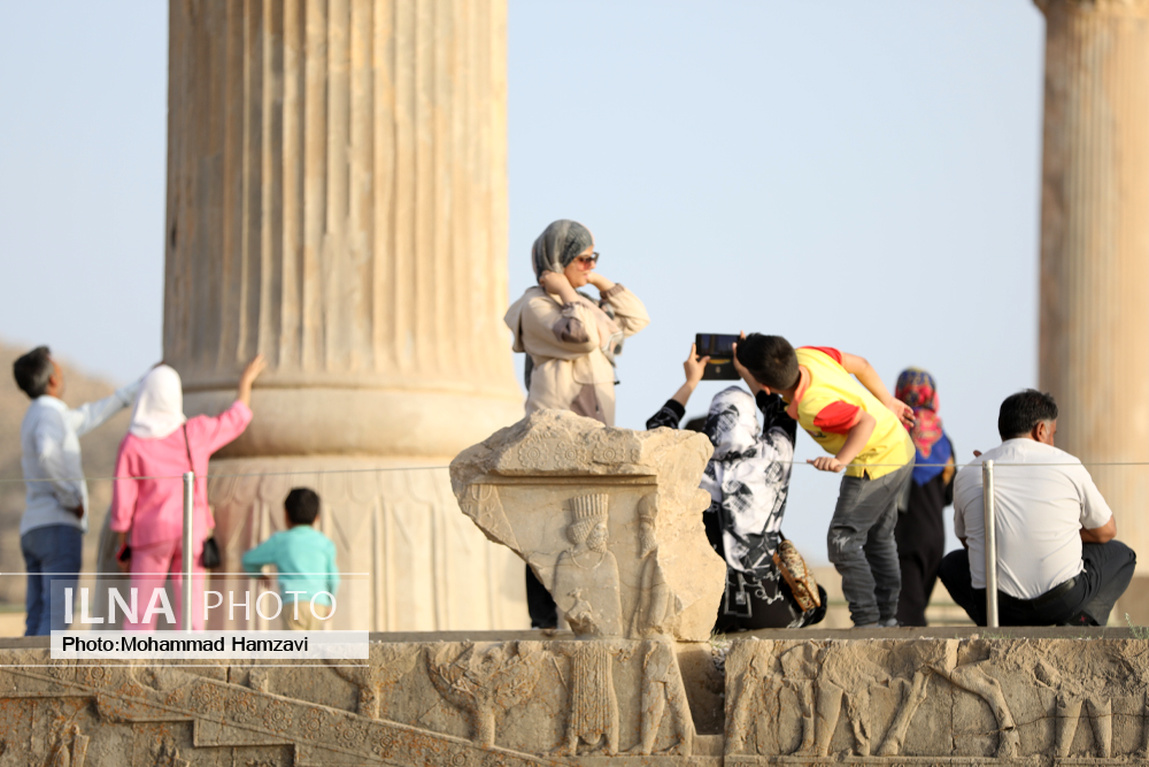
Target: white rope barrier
(800, 462)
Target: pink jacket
(152, 506)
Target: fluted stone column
(1094, 354)
(337, 200)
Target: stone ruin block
(938, 701)
(832, 698)
(511, 702)
(610, 520)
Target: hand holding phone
(719, 347)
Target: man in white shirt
(55, 512)
(1057, 560)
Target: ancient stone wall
(889, 697)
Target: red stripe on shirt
(838, 417)
(829, 351)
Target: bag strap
(187, 447)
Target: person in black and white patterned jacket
(748, 479)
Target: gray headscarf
(558, 245)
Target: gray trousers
(862, 548)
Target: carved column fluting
(1094, 349)
(337, 202)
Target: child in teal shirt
(305, 561)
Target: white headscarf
(159, 406)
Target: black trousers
(921, 536)
(540, 604)
(1108, 570)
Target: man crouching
(1057, 560)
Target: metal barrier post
(188, 551)
(990, 545)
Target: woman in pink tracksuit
(147, 498)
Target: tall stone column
(1094, 354)
(337, 200)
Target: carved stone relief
(1003, 700)
(585, 578)
(592, 716)
(594, 702)
(485, 683)
(387, 664)
(609, 520)
(663, 693)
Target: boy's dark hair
(770, 359)
(302, 505)
(1022, 411)
(33, 370)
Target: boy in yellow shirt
(841, 402)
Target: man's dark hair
(770, 359)
(33, 370)
(302, 505)
(1022, 411)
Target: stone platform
(890, 696)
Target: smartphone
(719, 347)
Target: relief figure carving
(799, 668)
(661, 688)
(846, 676)
(169, 756)
(1071, 698)
(71, 749)
(940, 658)
(586, 584)
(592, 717)
(757, 699)
(657, 604)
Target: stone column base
(410, 560)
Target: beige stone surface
(961, 700)
(609, 520)
(411, 561)
(886, 696)
(428, 703)
(337, 202)
(1094, 354)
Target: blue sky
(860, 175)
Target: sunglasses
(590, 260)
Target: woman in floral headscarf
(920, 531)
(570, 341)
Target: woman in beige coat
(571, 340)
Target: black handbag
(210, 558)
